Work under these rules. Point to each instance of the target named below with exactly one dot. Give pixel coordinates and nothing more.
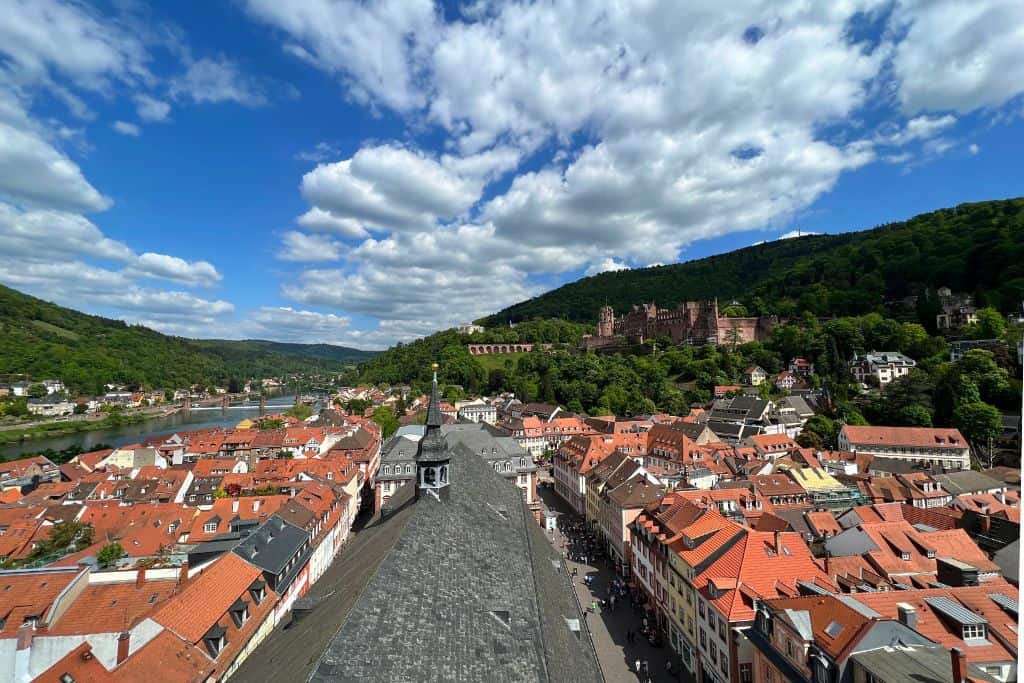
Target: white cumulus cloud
(126, 128)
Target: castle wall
(691, 322)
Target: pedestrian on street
(668, 667)
(636, 665)
(647, 669)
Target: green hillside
(86, 351)
(835, 297)
(975, 248)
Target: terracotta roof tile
(207, 597)
(29, 594)
(113, 607)
(918, 437)
(81, 664)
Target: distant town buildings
(882, 366)
(936, 447)
(957, 310)
(469, 328)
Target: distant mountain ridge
(977, 248)
(87, 351)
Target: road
(609, 627)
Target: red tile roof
(81, 664)
(207, 597)
(113, 607)
(824, 610)
(918, 437)
(174, 659)
(975, 599)
(29, 594)
(760, 569)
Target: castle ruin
(690, 322)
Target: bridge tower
(188, 405)
(263, 405)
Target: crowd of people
(582, 546)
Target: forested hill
(86, 351)
(976, 248)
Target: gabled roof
(917, 437)
(761, 569)
(500, 611)
(946, 631)
(207, 597)
(834, 625)
(273, 544)
(30, 593)
(968, 481)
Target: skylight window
(834, 629)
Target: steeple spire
(434, 416)
(432, 459)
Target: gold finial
(434, 367)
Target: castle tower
(432, 458)
(606, 322)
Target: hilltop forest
(976, 248)
(836, 296)
(86, 351)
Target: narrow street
(609, 625)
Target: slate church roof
(471, 591)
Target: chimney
(26, 633)
(959, 661)
(907, 615)
(140, 577)
(778, 542)
(123, 641)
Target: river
(130, 433)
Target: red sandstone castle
(691, 322)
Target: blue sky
(366, 173)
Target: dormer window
(975, 632)
(215, 640)
(240, 612)
(905, 556)
(258, 591)
(210, 527)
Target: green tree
(990, 325)
(978, 422)
(37, 390)
(818, 432)
(64, 537)
(385, 417)
(80, 408)
(496, 380)
(915, 416)
(357, 406)
(109, 554)
(300, 411)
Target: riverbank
(129, 429)
(54, 429)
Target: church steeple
(432, 459)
